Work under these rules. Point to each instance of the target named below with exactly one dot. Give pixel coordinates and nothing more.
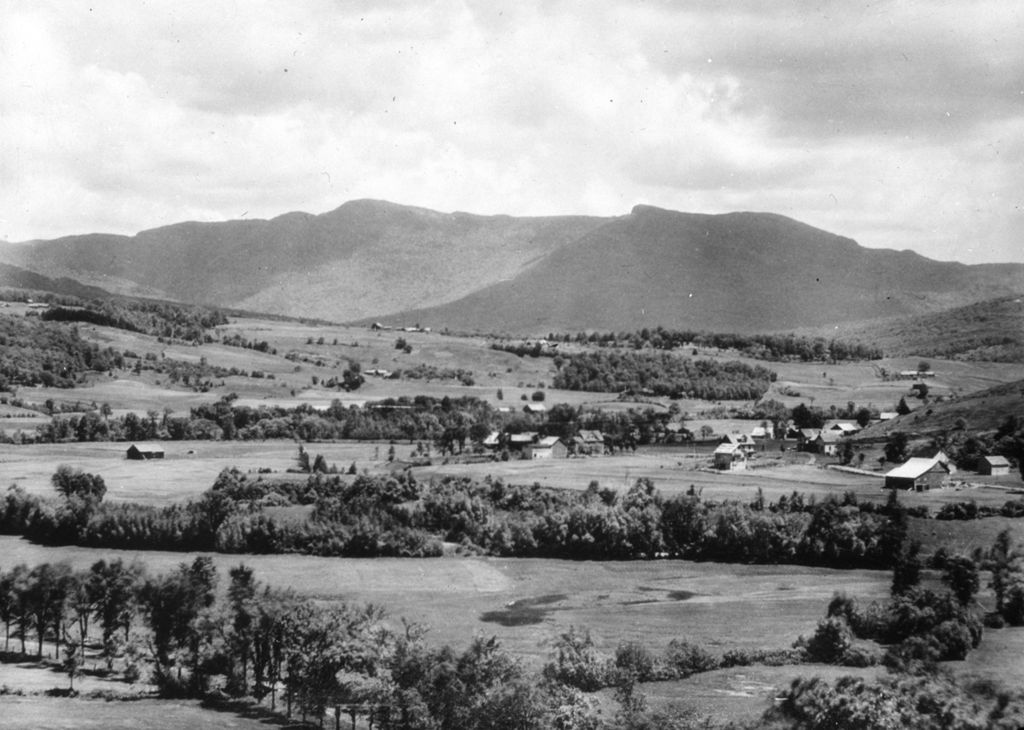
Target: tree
(902, 408)
(961, 575)
(1004, 565)
(923, 366)
(906, 572)
(896, 447)
(71, 482)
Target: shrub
(634, 659)
(1013, 605)
(686, 658)
(830, 642)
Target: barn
(993, 465)
(730, 457)
(920, 474)
(549, 447)
(144, 452)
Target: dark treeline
(369, 516)
(777, 347)
(662, 373)
(159, 319)
(452, 424)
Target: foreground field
(527, 602)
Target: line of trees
(777, 347)
(662, 373)
(395, 516)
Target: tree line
(662, 373)
(368, 516)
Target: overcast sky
(899, 124)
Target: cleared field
(188, 469)
(527, 602)
(52, 713)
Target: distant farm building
(993, 465)
(144, 452)
(730, 457)
(920, 474)
(549, 447)
(806, 438)
(535, 408)
(846, 428)
(589, 443)
(914, 374)
(828, 442)
(745, 443)
(519, 441)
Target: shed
(920, 474)
(549, 447)
(144, 452)
(730, 457)
(535, 408)
(993, 465)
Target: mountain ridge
(371, 259)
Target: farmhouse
(730, 457)
(589, 443)
(827, 443)
(993, 465)
(742, 441)
(519, 441)
(549, 447)
(535, 408)
(845, 428)
(766, 431)
(920, 474)
(806, 437)
(143, 452)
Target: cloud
(896, 123)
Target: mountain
(376, 260)
(738, 272)
(14, 277)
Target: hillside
(14, 277)
(364, 258)
(740, 272)
(992, 330)
(982, 411)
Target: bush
(538, 396)
(634, 658)
(577, 663)
(685, 658)
(830, 642)
(1013, 605)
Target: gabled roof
(996, 460)
(591, 436)
(526, 437)
(492, 439)
(535, 408)
(810, 433)
(146, 447)
(844, 426)
(913, 468)
(728, 449)
(830, 437)
(547, 442)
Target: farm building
(730, 457)
(993, 465)
(745, 443)
(144, 452)
(519, 441)
(920, 474)
(549, 447)
(535, 408)
(589, 443)
(828, 443)
(846, 428)
(766, 431)
(806, 437)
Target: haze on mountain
(369, 259)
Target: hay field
(528, 601)
(188, 469)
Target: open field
(526, 602)
(52, 713)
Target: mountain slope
(735, 272)
(360, 259)
(371, 259)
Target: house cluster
(531, 445)
(378, 327)
(827, 439)
(919, 474)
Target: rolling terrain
(742, 272)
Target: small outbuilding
(730, 457)
(920, 474)
(549, 447)
(144, 452)
(993, 465)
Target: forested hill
(738, 272)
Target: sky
(899, 124)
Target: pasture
(527, 602)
